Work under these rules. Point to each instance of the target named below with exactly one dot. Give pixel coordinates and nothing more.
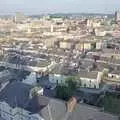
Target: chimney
(71, 104)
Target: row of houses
(73, 44)
(90, 79)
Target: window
(57, 82)
(85, 85)
(95, 86)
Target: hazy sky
(58, 6)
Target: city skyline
(67, 6)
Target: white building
(31, 79)
(57, 78)
(90, 79)
(100, 45)
(117, 16)
(100, 33)
(19, 18)
(87, 79)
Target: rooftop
(17, 94)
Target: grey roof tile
(16, 94)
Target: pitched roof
(44, 105)
(57, 110)
(85, 74)
(16, 94)
(37, 103)
(86, 112)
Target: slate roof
(42, 105)
(16, 94)
(49, 107)
(57, 110)
(85, 74)
(1, 118)
(86, 112)
(37, 103)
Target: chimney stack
(71, 104)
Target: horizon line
(44, 13)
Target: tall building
(19, 18)
(52, 28)
(117, 16)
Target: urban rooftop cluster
(60, 67)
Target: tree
(71, 83)
(34, 91)
(66, 91)
(85, 85)
(110, 103)
(63, 92)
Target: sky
(58, 6)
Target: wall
(30, 79)
(83, 46)
(89, 83)
(57, 78)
